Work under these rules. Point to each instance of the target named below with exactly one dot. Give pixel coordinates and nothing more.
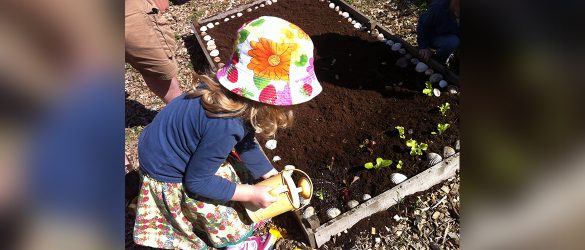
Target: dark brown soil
(361, 99)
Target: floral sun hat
(272, 63)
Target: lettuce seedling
(444, 108)
(428, 90)
(442, 127)
(319, 194)
(400, 132)
(416, 148)
(399, 164)
(380, 163)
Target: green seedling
(380, 163)
(400, 132)
(399, 164)
(428, 90)
(441, 128)
(416, 148)
(444, 108)
(319, 194)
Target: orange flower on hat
(271, 59)
(302, 34)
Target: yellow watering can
(290, 195)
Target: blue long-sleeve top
(436, 21)
(183, 144)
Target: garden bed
(365, 96)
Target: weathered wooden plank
(421, 182)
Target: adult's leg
(445, 45)
(150, 47)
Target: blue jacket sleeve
(253, 156)
(217, 142)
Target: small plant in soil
(400, 132)
(444, 108)
(416, 148)
(319, 194)
(428, 90)
(380, 163)
(368, 145)
(441, 128)
(399, 164)
(330, 166)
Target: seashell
(357, 25)
(402, 51)
(309, 211)
(434, 158)
(436, 92)
(239, 14)
(366, 197)
(249, 10)
(421, 67)
(214, 53)
(211, 47)
(211, 42)
(389, 42)
(336, 8)
(352, 203)
(220, 65)
(345, 14)
(216, 23)
(203, 28)
(207, 38)
(271, 144)
(349, 19)
(414, 61)
(397, 178)
(262, 5)
(443, 83)
(402, 62)
(396, 46)
(408, 56)
(232, 16)
(255, 7)
(452, 89)
(274, 1)
(429, 72)
(210, 25)
(448, 151)
(457, 145)
(380, 37)
(268, 2)
(217, 59)
(333, 212)
(276, 158)
(331, 5)
(436, 77)
(203, 34)
(226, 19)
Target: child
(189, 193)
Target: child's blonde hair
(220, 102)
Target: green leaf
(257, 22)
(423, 146)
(369, 165)
(243, 35)
(386, 163)
(433, 133)
(261, 83)
(379, 161)
(399, 164)
(303, 60)
(411, 143)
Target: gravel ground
(434, 228)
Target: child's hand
(262, 198)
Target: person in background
(150, 46)
(438, 28)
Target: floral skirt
(167, 217)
